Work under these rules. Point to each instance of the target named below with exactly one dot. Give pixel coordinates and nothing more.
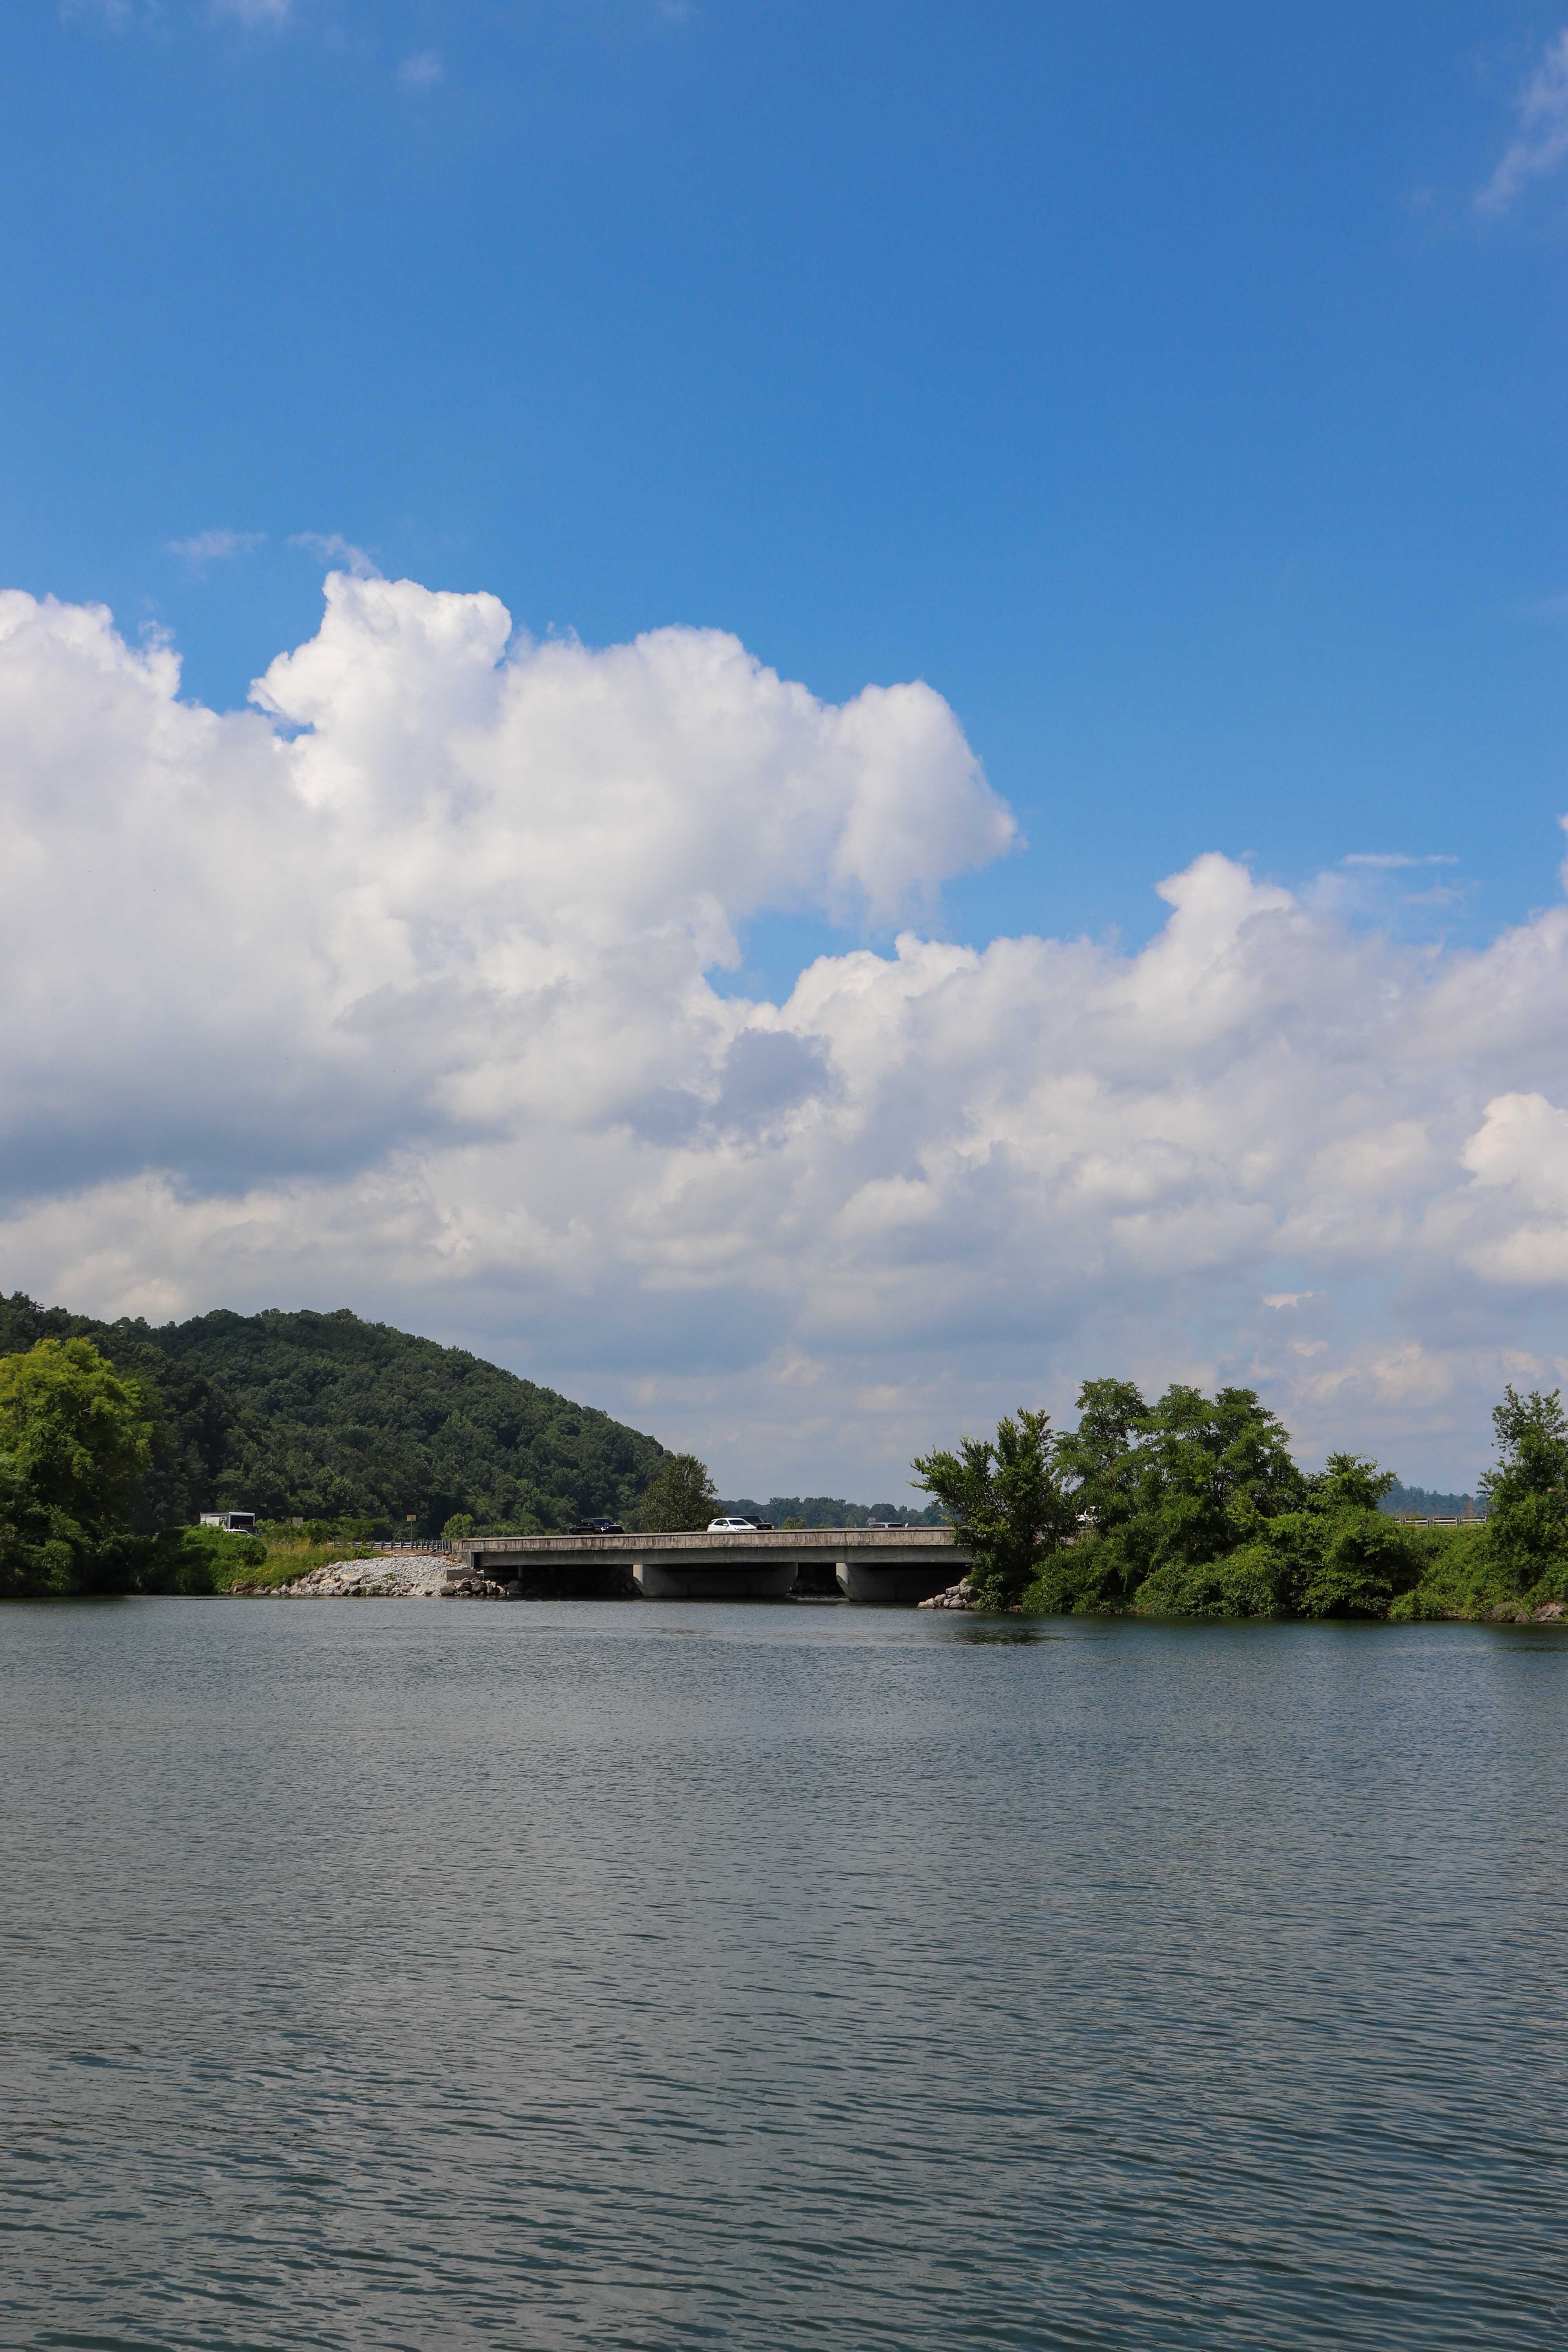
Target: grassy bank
(217, 1562)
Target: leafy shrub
(1423, 1606)
(1083, 1577)
(1367, 1562)
(179, 1562)
(1244, 1584)
(1460, 1577)
(221, 1549)
(1345, 1589)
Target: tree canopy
(1527, 1494)
(1006, 1498)
(680, 1498)
(1192, 1506)
(75, 1444)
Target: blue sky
(1146, 379)
(1176, 396)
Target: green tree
(1168, 1498)
(1348, 1482)
(1526, 1534)
(1210, 1472)
(328, 1417)
(76, 1443)
(1100, 1457)
(1007, 1502)
(1101, 1461)
(682, 1496)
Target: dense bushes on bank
(1192, 1506)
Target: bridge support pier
(863, 1580)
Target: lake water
(386, 1975)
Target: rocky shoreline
(389, 1576)
(957, 1596)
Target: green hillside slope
(326, 1416)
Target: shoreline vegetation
(1192, 1506)
(113, 1437)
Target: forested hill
(325, 1416)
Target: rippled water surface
(396, 1974)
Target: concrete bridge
(905, 1564)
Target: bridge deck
(792, 1543)
(867, 1563)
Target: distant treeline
(832, 1511)
(1422, 1503)
(1192, 1506)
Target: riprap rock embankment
(390, 1575)
(957, 1596)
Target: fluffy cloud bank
(399, 990)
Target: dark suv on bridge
(598, 1528)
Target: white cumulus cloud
(1540, 146)
(405, 989)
